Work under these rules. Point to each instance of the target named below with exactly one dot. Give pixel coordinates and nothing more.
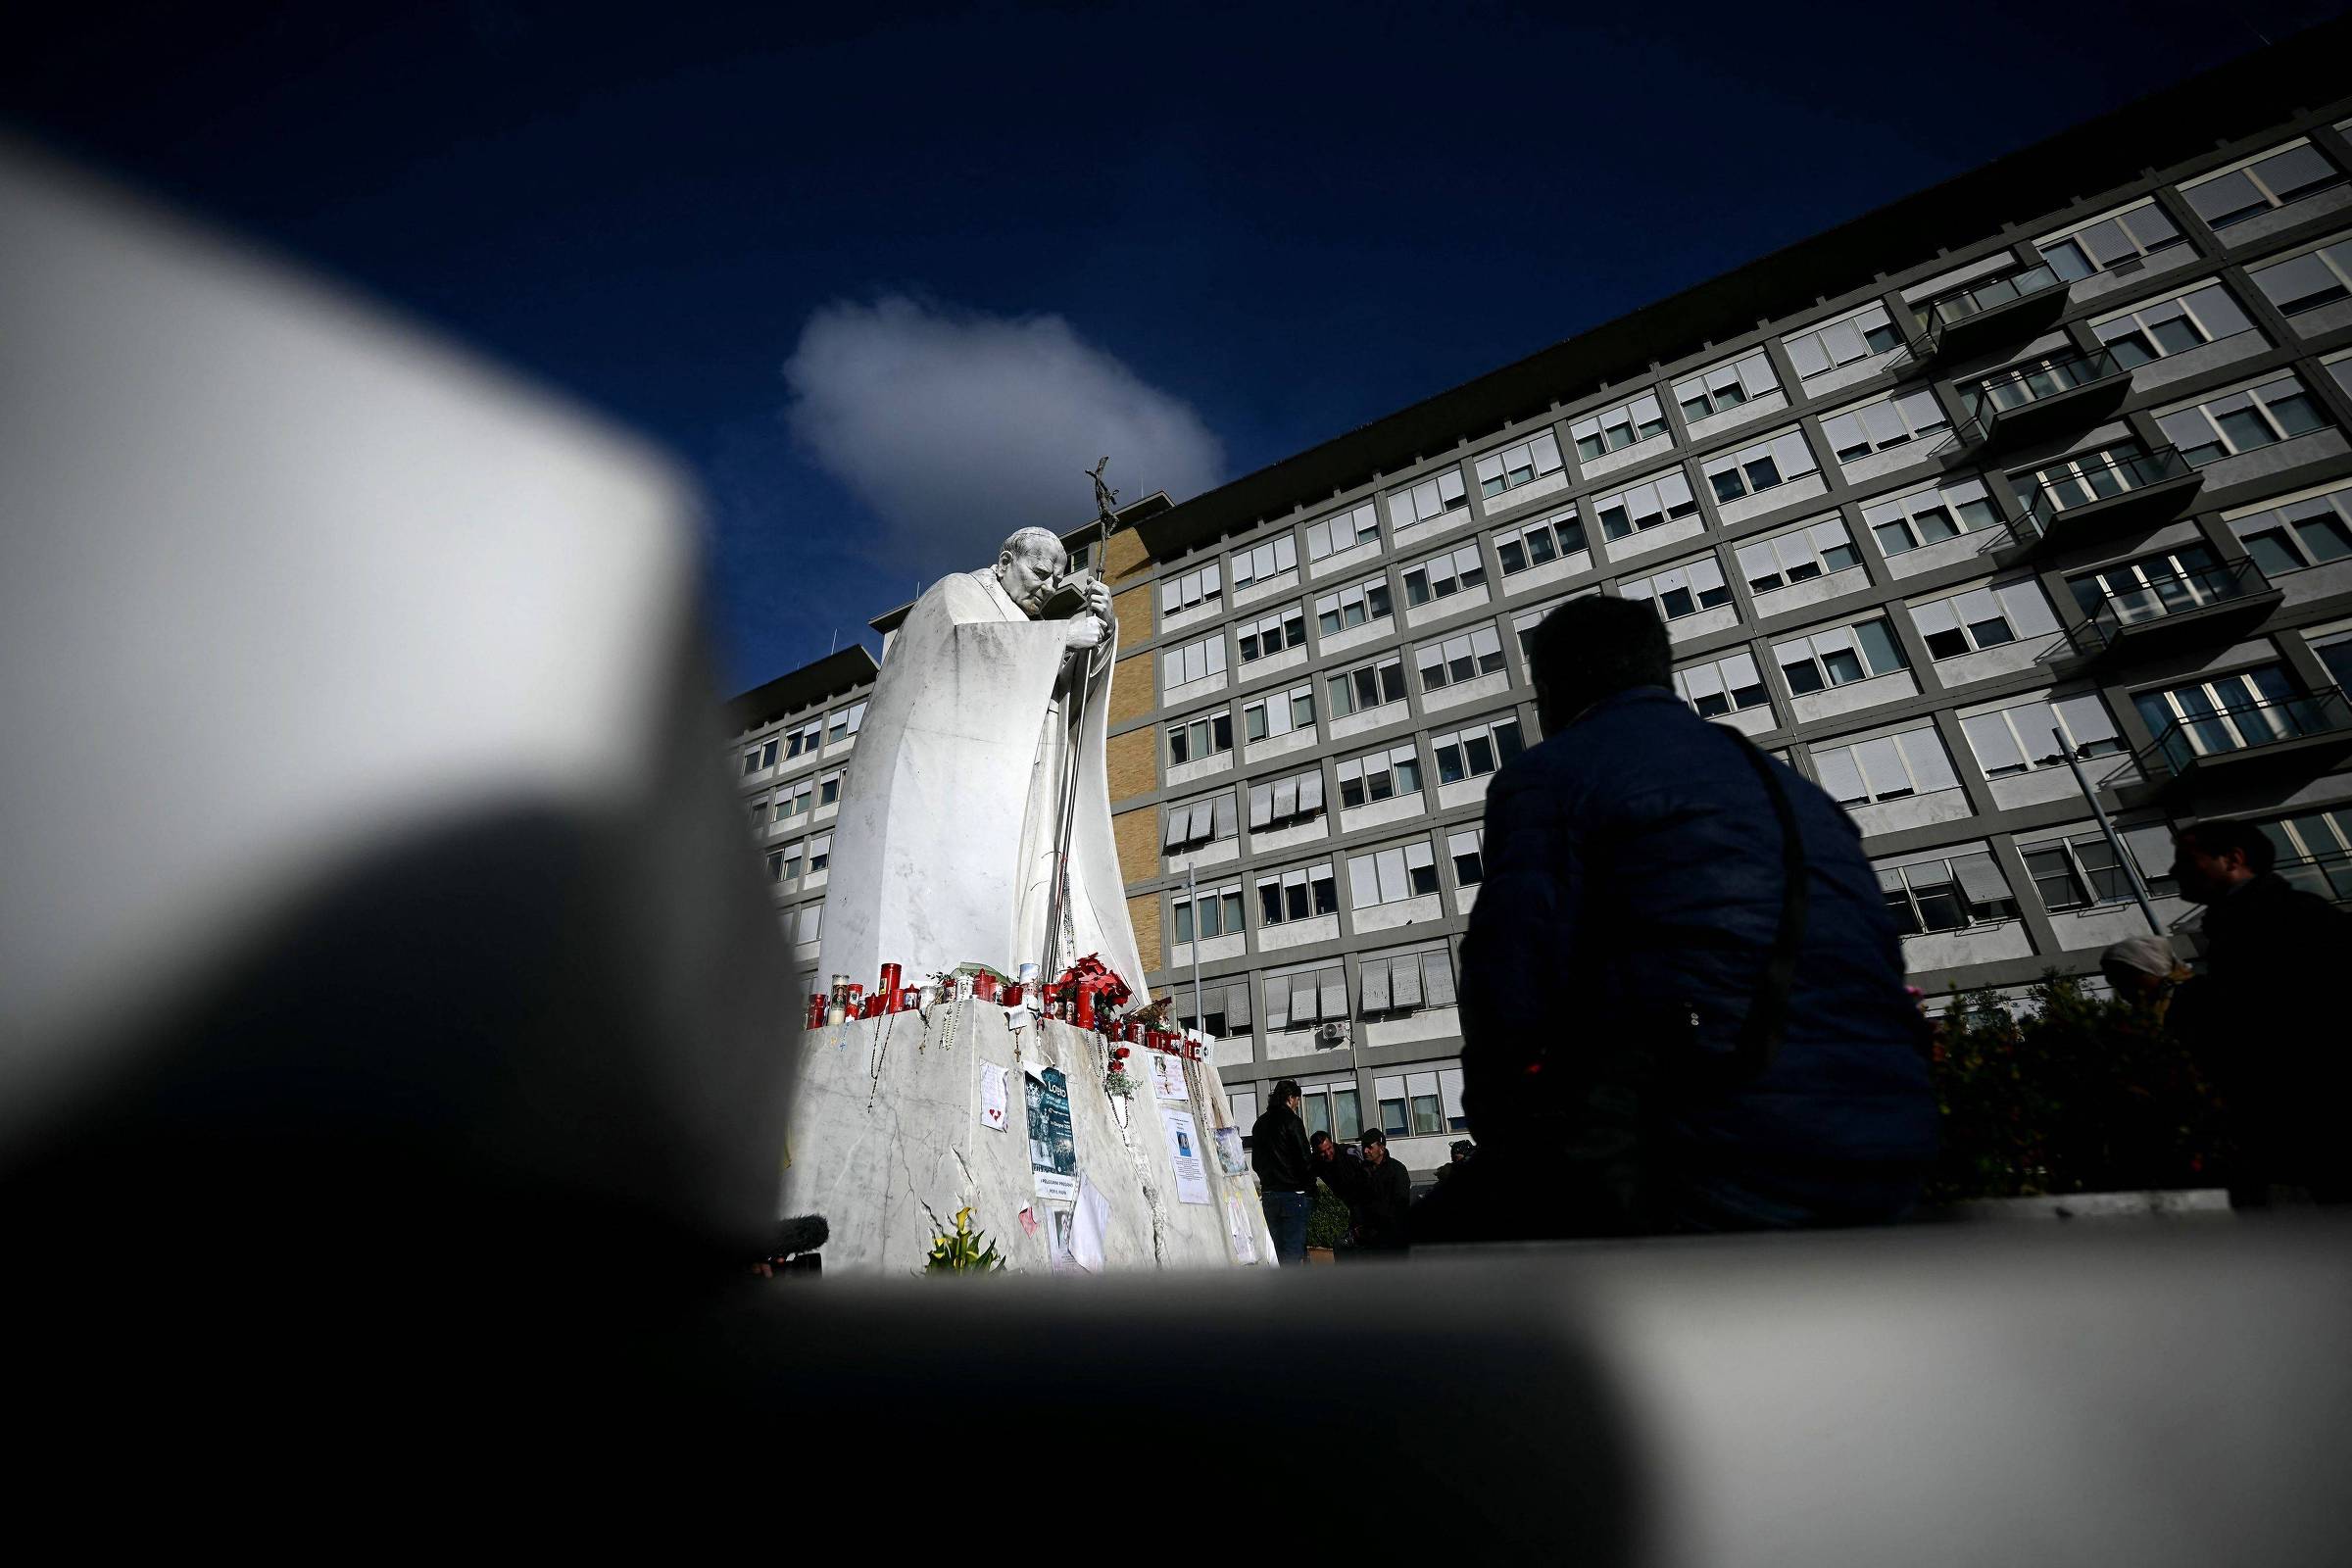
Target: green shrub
(2072, 1094)
(1327, 1225)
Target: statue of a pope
(980, 758)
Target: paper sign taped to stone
(992, 1096)
(1167, 1077)
(1184, 1149)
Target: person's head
(1316, 1141)
(1286, 1094)
(1376, 1146)
(1592, 648)
(1028, 565)
(2212, 858)
(1463, 1147)
(2138, 967)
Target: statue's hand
(1098, 602)
(1085, 631)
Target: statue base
(900, 1121)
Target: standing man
(1286, 1182)
(1378, 1192)
(2265, 1019)
(1682, 996)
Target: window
(2169, 326)
(760, 757)
(1727, 685)
(820, 853)
(845, 723)
(2241, 421)
(1345, 530)
(1380, 775)
(1398, 984)
(1210, 912)
(1191, 740)
(1535, 543)
(1192, 662)
(2121, 240)
(2314, 851)
(2131, 591)
(1192, 823)
(2028, 735)
(1420, 1103)
(1683, 590)
(2081, 870)
(1391, 875)
(2225, 713)
(1930, 514)
(2339, 366)
(2086, 477)
(1351, 608)
(1280, 712)
(1839, 657)
(1194, 588)
(1299, 894)
(1264, 638)
(777, 859)
(2307, 532)
(1726, 386)
(1282, 801)
(1891, 422)
(1640, 508)
(805, 739)
(1799, 556)
(1431, 498)
(1227, 1006)
(1845, 341)
(1983, 617)
(1271, 559)
(1946, 894)
(1468, 848)
(1443, 576)
(828, 789)
(1614, 430)
(1475, 749)
(1329, 1109)
(2336, 656)
(2275, 178)
(792, 803)
(2310, 280)
(1531, 459)
(1460, 658)
(1887, 768)
(1766, 466)
(1305, 997)
(809, 922)
(1368, 686)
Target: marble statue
(975, 820)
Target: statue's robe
(945, 849)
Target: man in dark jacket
(1286, 1182)
(1635, 894)
(1377, 1190)
(2264, 1019)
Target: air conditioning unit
(1331, 1033)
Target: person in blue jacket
(1664, 1029)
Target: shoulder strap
(1767, 1019)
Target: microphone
(803, 1234)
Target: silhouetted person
(2266, 1020)
(1378, 1190)
(1285, 1184)
(1663, 1028)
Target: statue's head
(1027, 567)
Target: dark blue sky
(1292, 219)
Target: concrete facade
(1889, 646)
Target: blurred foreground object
(367, 867)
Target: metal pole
(1192, 896)
(2115, 842)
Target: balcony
(2002, 309)
(2250, 740)
(2107, 494)
(2213, 605)
(2034, 402)
(2327, 876)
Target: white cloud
(956, 429)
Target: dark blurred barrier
(390, 1100)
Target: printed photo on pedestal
(1237, 1226)
(1184, 1149)
(1062, 1227)
(1053, 1150)
(1231, 1157)
(1167, 1077)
